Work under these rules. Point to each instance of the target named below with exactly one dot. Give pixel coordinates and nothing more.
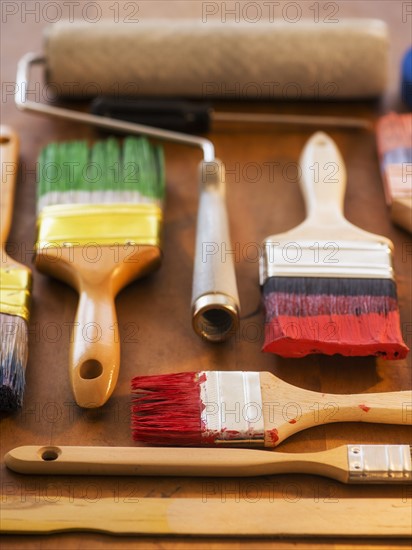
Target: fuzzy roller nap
(187, 58)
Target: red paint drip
(166, 409)
(209, 438)
(273, 435)
(365, 408)
(352, 335)
(293, 421)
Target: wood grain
(9, 154)
(174, 516)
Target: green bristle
(61, 167)
(81, 160)
(50, 167)
(113, 172)
(134, 165)
(129, 169)
(137, 166)
(150, 169)
(41, 184)
(96, 168)
(53, 169)
(66, 162)
(160, 172)
(78, 157)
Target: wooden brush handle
(173, 461)
(323, 180)
(9, 150)
(95, 348)
(288, 409)
(383, 408)
(381, 463)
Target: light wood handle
(323, 180)
(170, 461)
(381, 463)
(215, 300)
(288, 409)
(210, 516)
(97, 274)
(384, 408)
(9, 150)
(95, 349)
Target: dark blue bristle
(13, 358)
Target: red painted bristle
(368, 334)
(166, 409)
(332, 316)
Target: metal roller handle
(215, 301)
(215, 304)
(24, 104)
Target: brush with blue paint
(15, 287)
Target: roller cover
(189, 58)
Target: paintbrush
(328, 286)
(347, 463)
(15, 288)
(394, 140)
(99, 221)
(246, 409)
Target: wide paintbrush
(246, 409)
(347, 463)
(329, 286)
(99, 224)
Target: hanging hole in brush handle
(215, 301)
(179, 116)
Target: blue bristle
(13, 358)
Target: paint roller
(189, 58)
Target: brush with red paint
(246, 409)
(328, 286)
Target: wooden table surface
(154, 314)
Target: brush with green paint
(99, 222)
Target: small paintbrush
(99, 223)
(246, 409)
(328, 286)
(15, 288)
(347, 463)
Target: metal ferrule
(15, 290)
(103, 224)
(215, 316)
(379, 463)
(232, 408)
(361, 259)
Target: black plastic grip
(180, 116)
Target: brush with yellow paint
(99, 221)
(15, 287)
